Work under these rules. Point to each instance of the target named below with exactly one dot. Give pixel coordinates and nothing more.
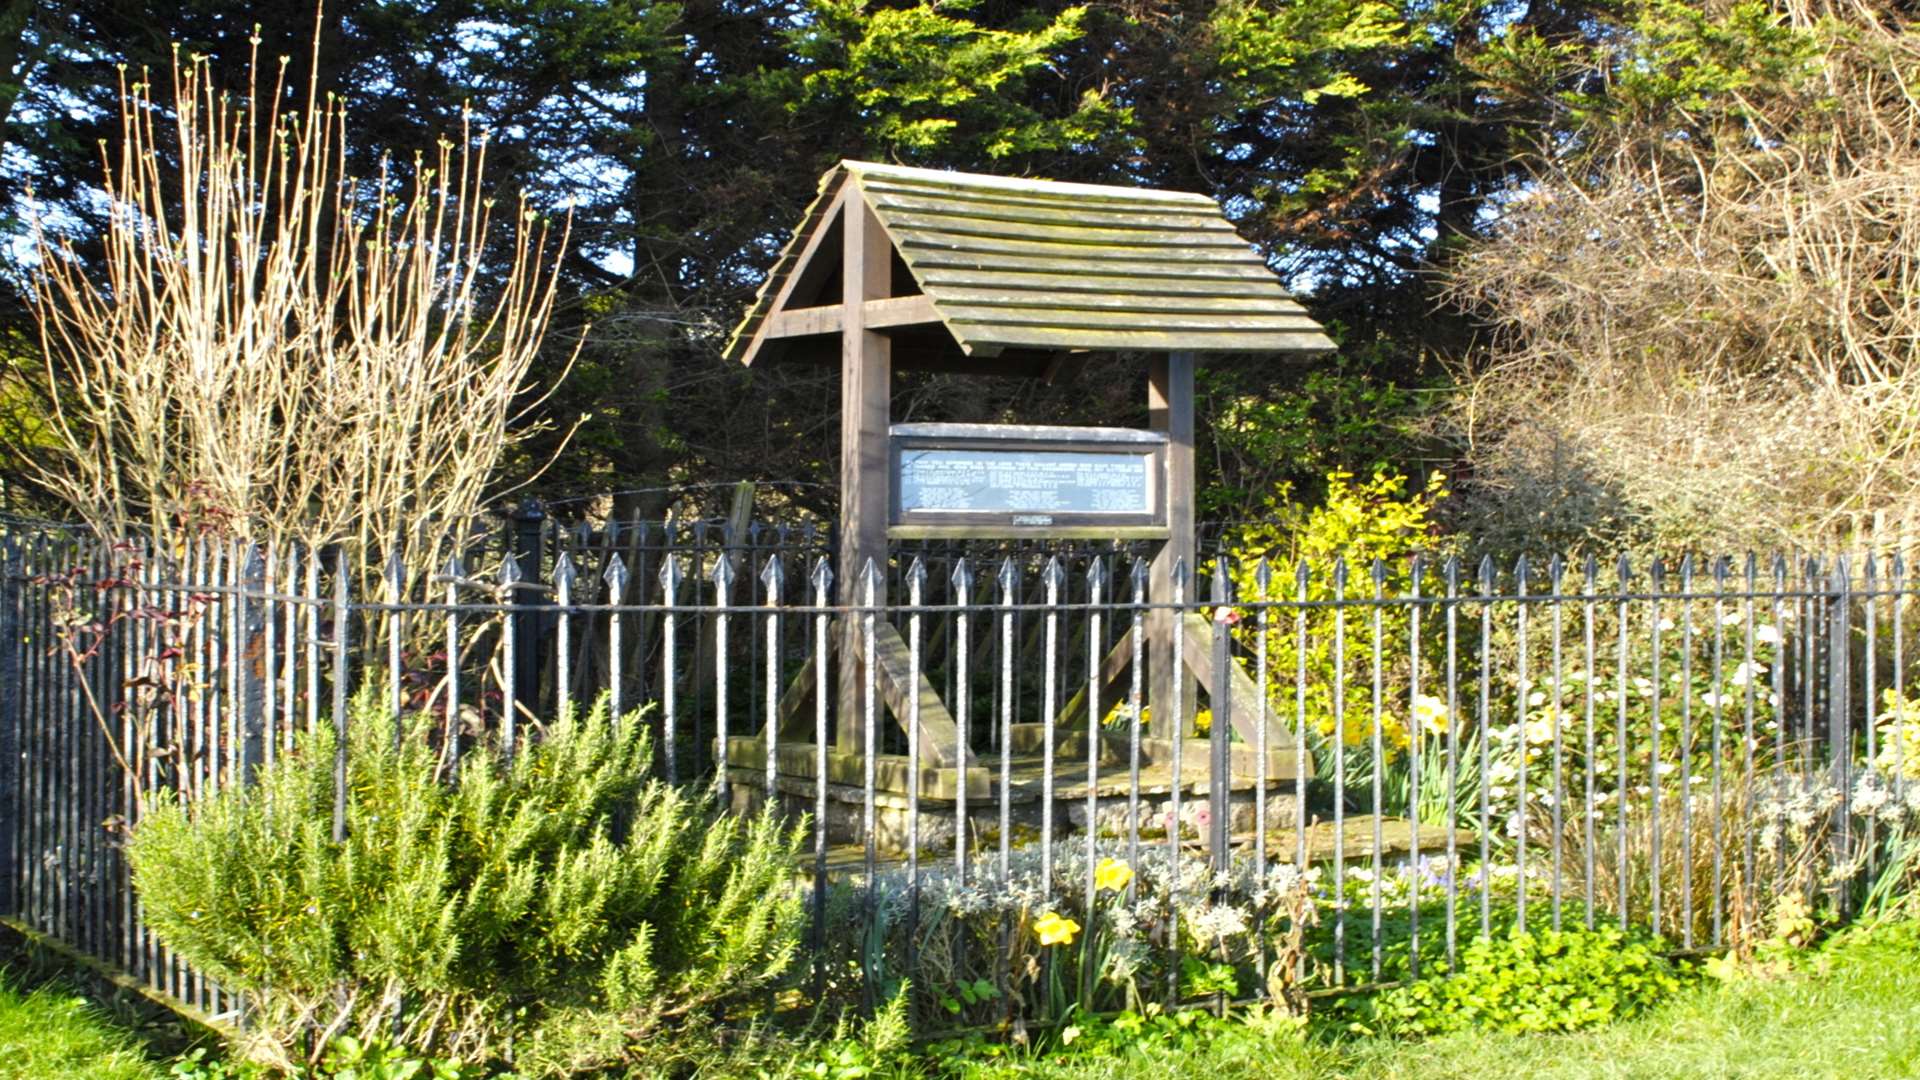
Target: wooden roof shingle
(1045, 265)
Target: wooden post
(866, 367)
(1170, 409)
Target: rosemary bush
(563, 912)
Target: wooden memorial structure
(896, 269)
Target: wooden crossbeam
(882, 314)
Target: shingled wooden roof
(1018, 265)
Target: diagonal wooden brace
(1248, 709)
(939, 733)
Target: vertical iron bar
(1656, 578)
(1300, 640)
(1176, 726)
(1840, 725)
(669, 677)
(290, 663)
(509, 593)
(916, 597)
(774, 578)
(1591, 665)
(1340, 771)
(722, 588)
(1263, 590)
(1049, 705)
(1452, 572)
(314, 604)
(1486, 738)
(396, 629)
(1870, 629)
(1623, 572)
(616, 577)
(1719, 742)
(1220, 771)
(1135, 704)
(823, 661)
(340, 678)
(1685, 769)
(870, 701)
(563, 577)
(453, 573)
(1415, 746)
(1096, 647)
(13, 720)
(1378, 751)
(962, 697)
(1523, 701)
(1008, 597)
(1556, 572)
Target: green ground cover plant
(1526, 981)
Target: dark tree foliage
(1355, 143)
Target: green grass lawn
(1854, 1014)
(52, 1032)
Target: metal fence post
(1839, 722)
(1220, 781)
(529, 527)
(341, 613)
(12, 717)
(253, 662)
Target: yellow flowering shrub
(1897, 738)
(1361, 520)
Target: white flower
(1767, 634)
(1429, 714)
(1666, 623)
(1869, 796)
(1216, 921)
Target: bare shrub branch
(276, 348)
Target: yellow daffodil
(1112, 874)
(1055, 930)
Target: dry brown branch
(1715, 315)
(277, 348)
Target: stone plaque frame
(917, 524)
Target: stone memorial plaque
(994, 480)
